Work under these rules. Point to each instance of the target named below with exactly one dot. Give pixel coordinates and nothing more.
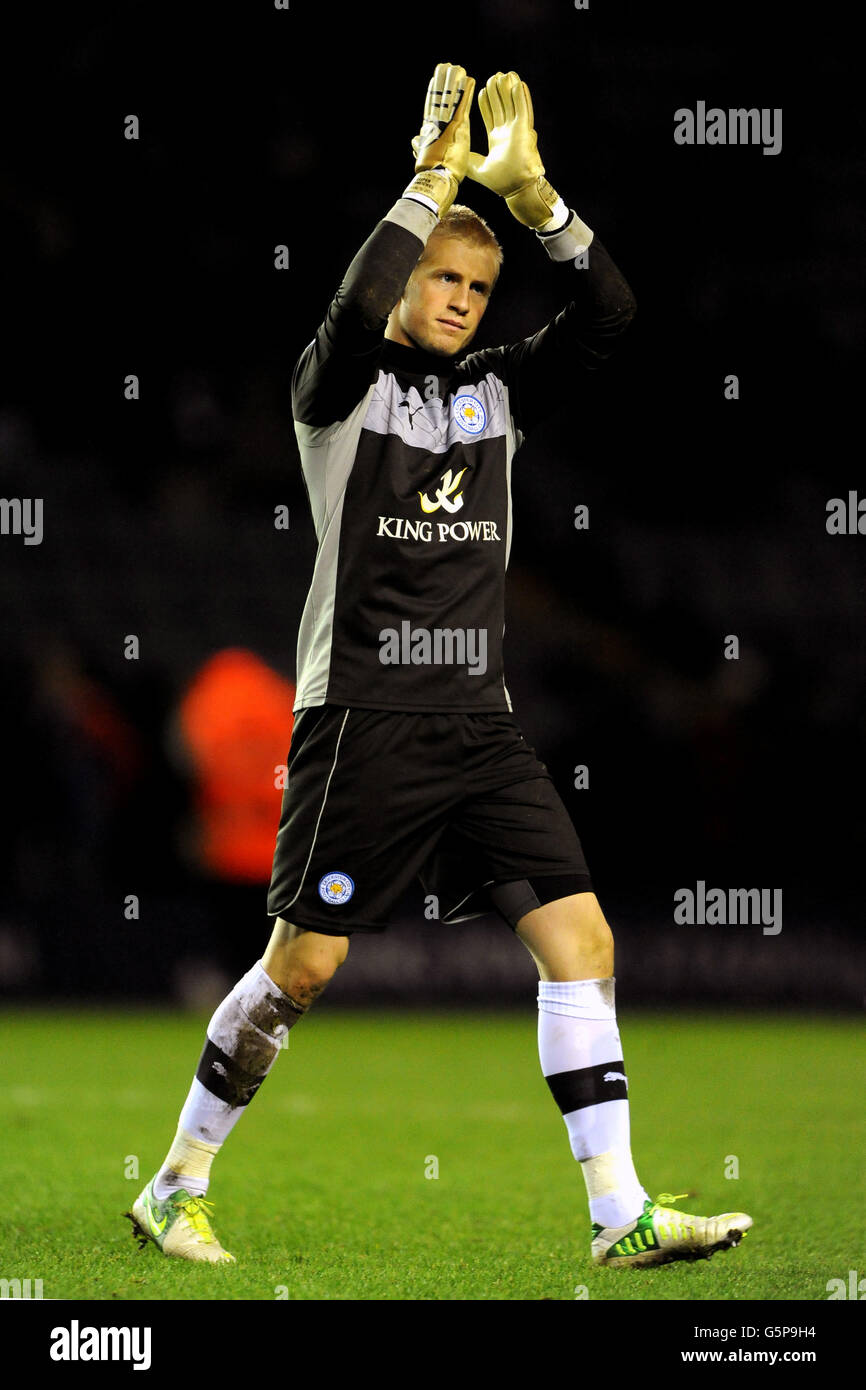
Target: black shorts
(375, 799)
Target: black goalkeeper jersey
(407, 460)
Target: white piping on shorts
(472, 891)
(318, 821)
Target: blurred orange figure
(234, 723)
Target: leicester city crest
(335, 888)
(469, 414)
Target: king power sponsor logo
(446, 497)
(444, 493)
(400, 528)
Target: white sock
(187, 1165)
(581, 1058)
(242, 1044)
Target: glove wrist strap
(535, 204)
(435, 188)
(561, 214)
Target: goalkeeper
(406, 759)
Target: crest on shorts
(335, 888)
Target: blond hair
(465, 225)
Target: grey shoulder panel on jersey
(435, 425)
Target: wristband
(561, 214)
(435, 188)
(569, 241)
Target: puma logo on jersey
(449, 485)
(412, 413)
(615, 1076)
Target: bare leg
(569, 939)
(302, 962)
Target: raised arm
(541, 369)
(337, 367)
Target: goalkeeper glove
(442, 148)
(512, 167)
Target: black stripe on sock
(222, 1076)
(573, 1090)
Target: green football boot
(179, 1225)
(661, 1234)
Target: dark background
(707, 517)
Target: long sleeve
(337, 367)
(543, 370)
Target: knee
(594, 927)
(307, 978)
(569, 939)
(593, 932)
(302, 963)
(303, 987)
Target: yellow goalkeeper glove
(442, 148)
(512, 166)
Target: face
(445, 299)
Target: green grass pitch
(322, 1191)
